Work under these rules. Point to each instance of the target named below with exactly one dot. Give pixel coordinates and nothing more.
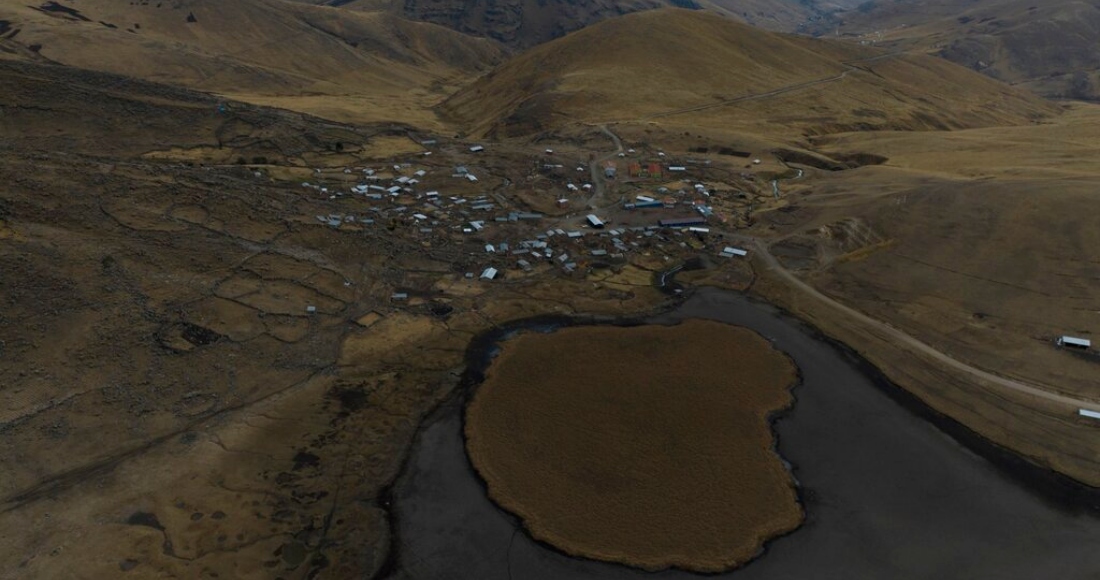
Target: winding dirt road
(900, 337)
(883, 328)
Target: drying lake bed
(887, 492)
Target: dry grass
(643, 66)
(374, 106)
(350, 65)
(648, 446)
(990, 253)
(389, 146)
(527, 23)
(1047, 47)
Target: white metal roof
(1089, 414)
(1075, 341)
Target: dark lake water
(888, 493)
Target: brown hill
(47, 107)
(1048, 47)
(526, 23)
(703, 68)
(255, 49)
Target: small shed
(594, 221)
(489, 274)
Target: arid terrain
(760, 83)
(1048, 47)
(636, 445)
(526, 23)
(246, 246)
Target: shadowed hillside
(687, 64)
(1048, 47)
(526, 23)
(254, 49)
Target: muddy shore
(890, 488)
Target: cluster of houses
(398, 199)
(594, 242)
(481, 226)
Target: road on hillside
(599, 182)
(897, 336)
(900, 337)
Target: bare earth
(648, 446)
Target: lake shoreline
(1054, 489)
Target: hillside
(254, 49)
(199, 378)
(701, 69)
(527, 23)
(1048, 47)
(226, 324)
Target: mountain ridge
(611, 72)
(523, 24)
(1048, 47)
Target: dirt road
(883, 328)
(900, 337)
(599, 182)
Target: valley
(250, 251)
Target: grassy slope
(1048, 47)
(647, 64)
(527, 23)
(994, 255)
(257, 48)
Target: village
(557, 214)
